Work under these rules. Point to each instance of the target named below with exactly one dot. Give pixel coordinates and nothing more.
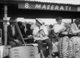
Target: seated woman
(65, 44)
(22, 27)
(58, 28)
(69, 46)
(76, 39)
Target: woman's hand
(30, 36)
(16, 40)
(64, 32)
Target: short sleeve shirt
(58, 27)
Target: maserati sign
(46, 6)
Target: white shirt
(37, 35)
(13, 30)
(35, 30)
(58, 28)
(45, 28)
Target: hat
(39, 21)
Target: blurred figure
(51, 32)
(0, 36)
(22, 27)
(29, 34)
(58, 28)
(29, 31)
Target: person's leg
(12, 43)
(29, 40)
(40, 48)
(49, 43)
(45, 52)
(20, 43)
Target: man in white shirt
(40, 34)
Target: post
(3, 48)
(5, 25)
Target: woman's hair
(51, 26)
(58, 18)
(28, 26)
(19, 23)
(77, 21)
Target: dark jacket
(29, 31)
(10, 35)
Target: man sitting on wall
(13, 35)
(40, 35)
